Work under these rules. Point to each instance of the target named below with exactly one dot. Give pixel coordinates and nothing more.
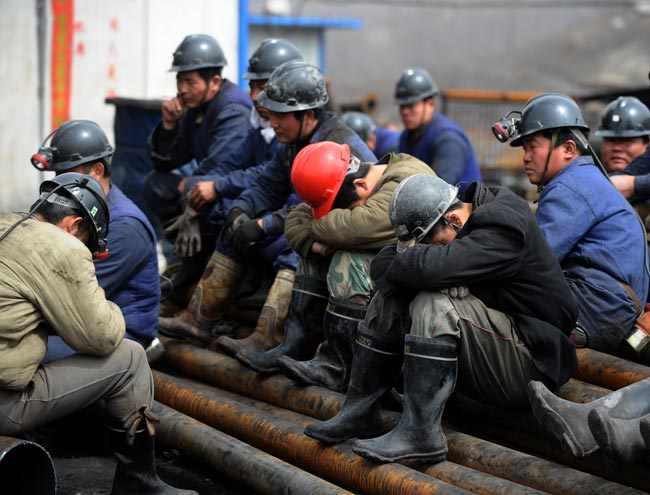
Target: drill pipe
(286, 440)
(225, 372)
(467, 478)
(25, 467)
(241, 462)
(608, 371)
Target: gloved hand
(456, 292)
(247, 235)
(379, 270)
(187, 228)
(235, 219)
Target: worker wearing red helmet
(337, 232)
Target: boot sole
(552, 423)
(296, 372)
(428, 457)
(184, 337)
(342, 438)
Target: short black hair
(443, 223)
(318, 112)
(566, 133)
(106, 161)
(207, 73)
(348, 192)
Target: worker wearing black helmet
(430, 136)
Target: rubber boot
(567, 421)
(618, 439)
(211, 295)
(331, 366)
(269, 329)
(136, 470)
(430, 368)
(376, 365)
(303, 329)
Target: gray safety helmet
(417, 203)
(625, 117)
(74, 143)
(83, 193)
(271, 53)
(294, 86)
(197, 51)
(415, 85)
(360, 123)
(548, 111)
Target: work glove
(379, 268)
(235, 219)
(456, 292)
(188, 233)
(247, 235)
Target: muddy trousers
(123, 379)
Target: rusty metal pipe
(225, 372)
(286, 440)
(25, 467)
(608, 371)
(241, 462)
(464, 477)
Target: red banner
(62, 37)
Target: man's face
(443, 237)
(193, 91)
(255, 88)
(617, 153)
(416, 115)
(285, 125)
(536, 148)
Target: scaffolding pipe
(608, 371)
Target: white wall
(120, 48)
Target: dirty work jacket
(447, 150)
(598, 239)
(501, 255)
(365, 227)
(51, 285)
(206, 134)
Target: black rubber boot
(376, 365)
(645, 430)
(331, 366)
(619, 439)
(430, 367)
(136, 470)
(567, 421)
(303, 329)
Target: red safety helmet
(318, 172)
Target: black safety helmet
(74, 143)
(417, 203)
(545, 112)
(625, 117)
(83, 193)
(415, 85)
(294, 86)
(197, 51)
(360, 123)
(271, 53)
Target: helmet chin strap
(540, 186)
(207, 88)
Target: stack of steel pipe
(25, 468)
(225, 373)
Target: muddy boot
(136, 470)
(567, 421)
(270, 324)
(618, 439)
(303, 329)
(330, 367)
(430, 367)
(212, 293)
(376, 364)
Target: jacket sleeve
(363, 227)
(74, 307)
(234, 183)
(169, 149)
(297, 229)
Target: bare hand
(202, 194)
(181, 186)
(102, 292)
(624, 184)
(172, 111)
(322, 249)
